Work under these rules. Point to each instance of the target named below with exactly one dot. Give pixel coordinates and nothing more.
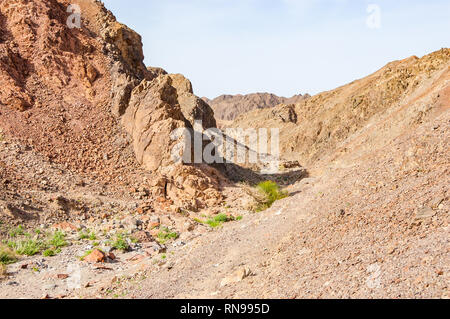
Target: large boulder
(181, 84)
(156, 109)
(153, 113)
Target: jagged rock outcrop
(155, 71)
(152, 114)
(156, 109)
(228, 107)
(56, 85)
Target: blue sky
(284, 47)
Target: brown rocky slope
(228, 107)
(396, 98)
(370, 222)
(84, 99)
(84, 146)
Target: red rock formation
(66, 91)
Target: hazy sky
(284, 47)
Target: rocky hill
(228, 107)
(371, 111)
(92, 203)
(83, 98)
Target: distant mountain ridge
(229, 107)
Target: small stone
(170, 265)
(50, 287)
(132, 190)
(62, 276)
(155, 219)
(391, 250)
(153, 225)
(137, 258)
(341, 213)
(142, 236)
(88, 285)
(65, 226)
(153, 248)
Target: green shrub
(213, 223)
(121, 243)
(49, 253)
(85, 234)
(222, 218)
(58, 240)
(29, 247)
(7, 256)
(218, 220)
